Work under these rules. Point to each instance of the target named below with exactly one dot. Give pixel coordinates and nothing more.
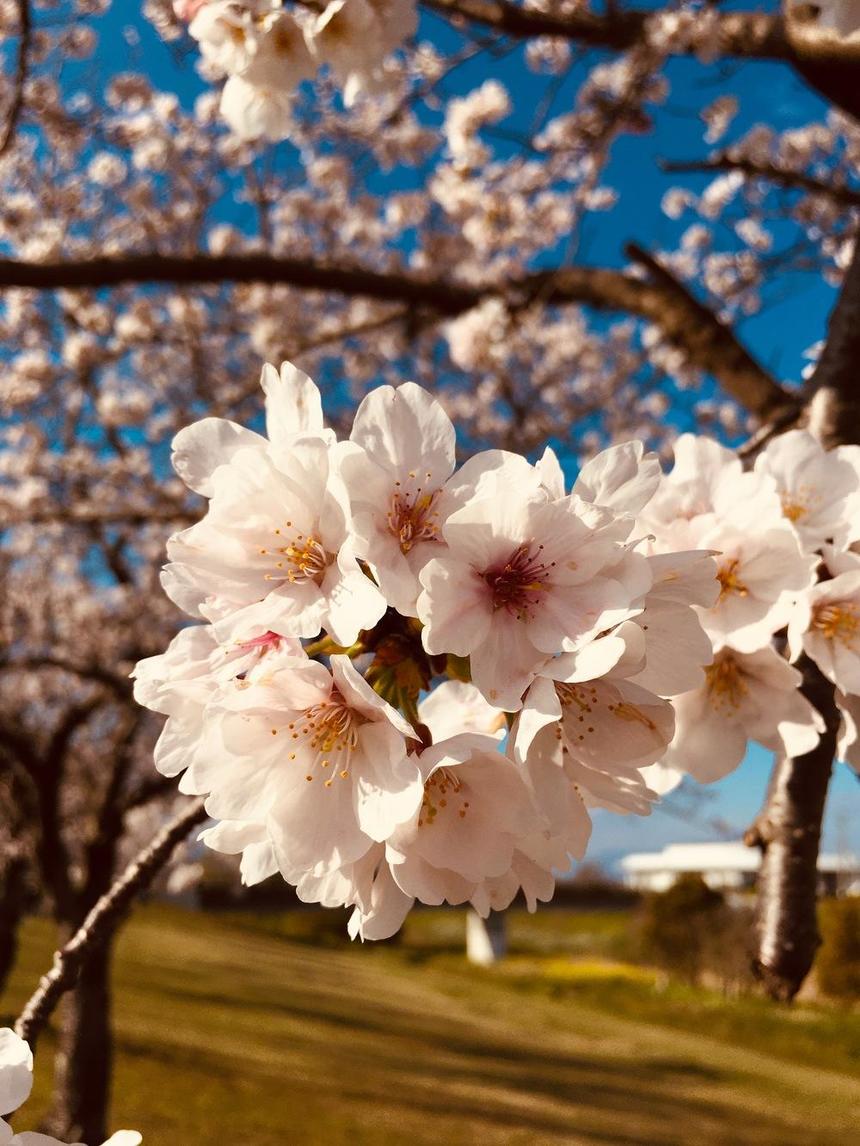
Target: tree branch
(830, 66)
(102, 921)
(834, 408)
(759, 35)
(83, 515)
(781, 176)
(92, 672)
(710, 345)
(25, 32)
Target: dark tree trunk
(82, 1066)
(788, 830)
(14, 898)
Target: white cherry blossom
(523, 578)
(318, 757)
(816, 487)
(746, 696)
(761, 572)
(707, 478)
(255, 112)
(272, 549)
(293, 411)
(825, 624)
(476, 810)
(366, 885)
(396, 476)
(226, 35)
(250, 840)
(280, 59)
(354, 36)
(622, 478)
(454, 707)
(601, 719)
(190, 675)
(677, 648)
(16, 1082)
(16, 1071)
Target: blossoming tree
(411, 671)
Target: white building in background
(727, 867)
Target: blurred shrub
(837, 967)
(691, 932)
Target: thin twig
(780, 176)
(102, 921)
(25, 31)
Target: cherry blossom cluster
(784, 535)
(413, 680)
(16, 1082)
(267, 50)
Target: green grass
(261, 1031)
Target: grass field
(236, 1031)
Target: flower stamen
(412, 517)
(837, 621)
(439, 788)
(725, 683)
(517, 584)
(730, 583)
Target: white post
(486, 939)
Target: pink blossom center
(518, 584)
(412, 517)
(266, 641)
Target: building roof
(725, 856)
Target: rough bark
(81, 973)
(84, 1055)
(834, 411)
(101, 923)
(709, 344)
(788, 830)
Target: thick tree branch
(759, 35)
(96, 674)
(780, 176)
(709, 344)
(712, 345)
(102, 921)
(788, 829)
(83, 515)
(831, 67)
(13, 114)
(834, 409)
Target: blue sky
(793, 319)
